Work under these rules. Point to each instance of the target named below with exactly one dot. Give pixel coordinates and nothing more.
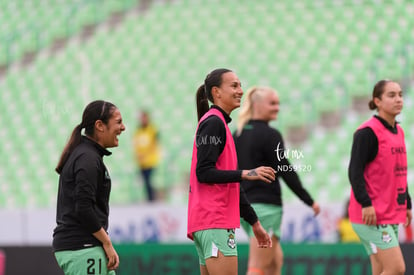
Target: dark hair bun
(372, 105)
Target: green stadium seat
(317, 55)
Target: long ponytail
(202, 102)
(74, 140)
(203, 96)
(96, 110)
(246, 111)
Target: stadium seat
(317, 55)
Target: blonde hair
(253, 94)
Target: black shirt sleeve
(210, 142)
(408, 200)
(289, 176)
(86, 171)
(364, 150)
(292, 180)
(246, 210)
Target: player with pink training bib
(377, 171)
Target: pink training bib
(385, 176)
(214, 205)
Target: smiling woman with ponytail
(96, 110)
(215, 198)
(80, 239)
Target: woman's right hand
(113, 258)
(316, 208)
(263, 173)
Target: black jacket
(83, 198)
(261, 145)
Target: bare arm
(113, 259)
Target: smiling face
(228, 95)
(108, 133)
(390, 103)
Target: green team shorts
(377, 236)
(84, 261)
(208, 242)
(270, 217)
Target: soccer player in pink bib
(216, 202)
(377, 171)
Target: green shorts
(208, 242)
(270, 217)
(84, 261)
(377, 236)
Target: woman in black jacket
(258, 144)
(80, 240)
